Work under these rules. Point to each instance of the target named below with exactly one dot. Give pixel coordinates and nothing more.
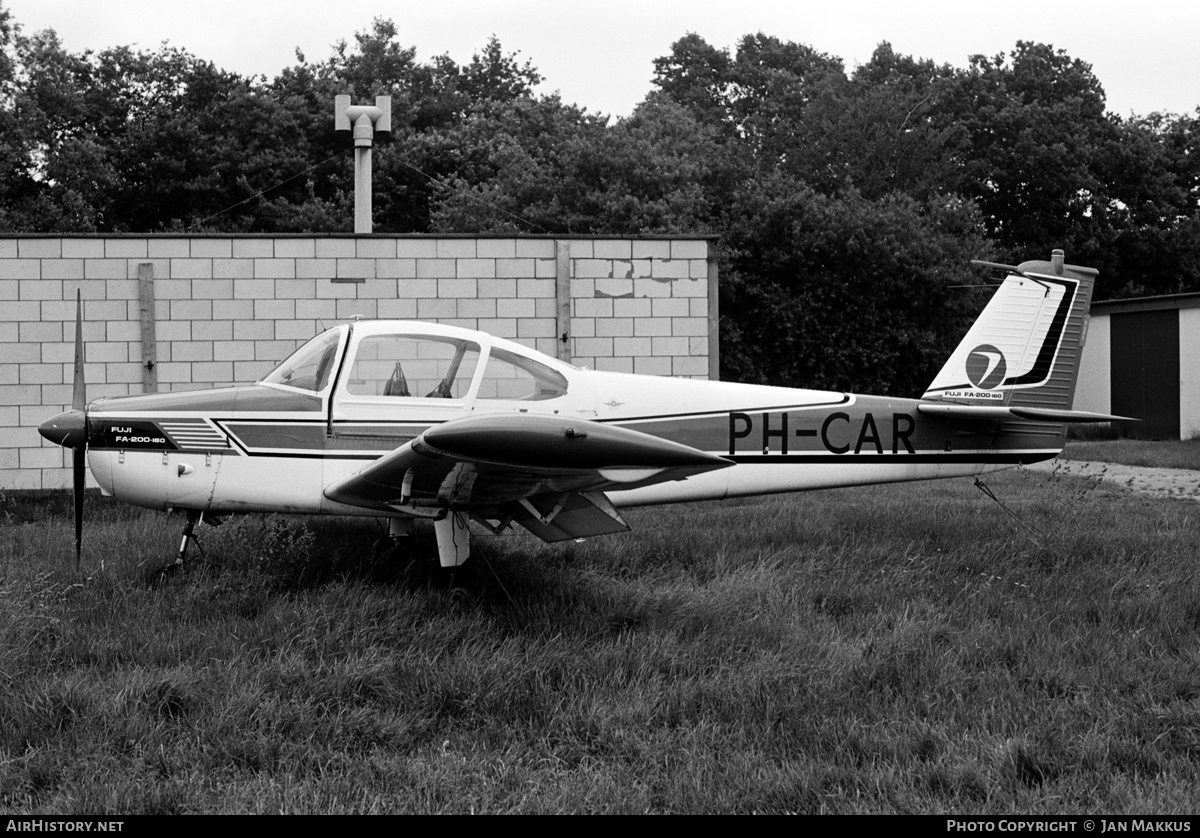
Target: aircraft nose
(66, 429)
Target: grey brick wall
(228, 308)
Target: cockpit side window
(424, 366)
(310, 366)
(512, 376)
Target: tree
(515, 168)
(698, 77)
(1035, 125)
(493, 75)
(379, 65)
(841, 292)
(1153, 171)
(775, 82)
(884, 132)
(659, 171)
(15, 142)
(444, 144)
(758, 99)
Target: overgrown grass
(890, 649)
(1137, 452)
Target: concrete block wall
(228, 308)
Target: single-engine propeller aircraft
(411, 420)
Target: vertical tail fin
(1024, 349)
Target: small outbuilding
(1142, 359)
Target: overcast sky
(599, 55)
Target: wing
(543, 472)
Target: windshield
(310, 366)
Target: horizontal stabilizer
(1035, 414)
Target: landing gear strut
(189, 528)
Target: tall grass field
(915, 648)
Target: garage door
(1145, 372)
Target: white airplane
(411, 420)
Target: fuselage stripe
(845, 399)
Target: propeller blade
(79, 475)
(79, 389)
(79, 403)
(70, 429)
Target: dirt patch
(1157, 482)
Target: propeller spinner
(69, 429)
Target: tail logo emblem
(986, 367)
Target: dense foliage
(846, 204)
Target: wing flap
(567, 516)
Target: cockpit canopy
(415, 360)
